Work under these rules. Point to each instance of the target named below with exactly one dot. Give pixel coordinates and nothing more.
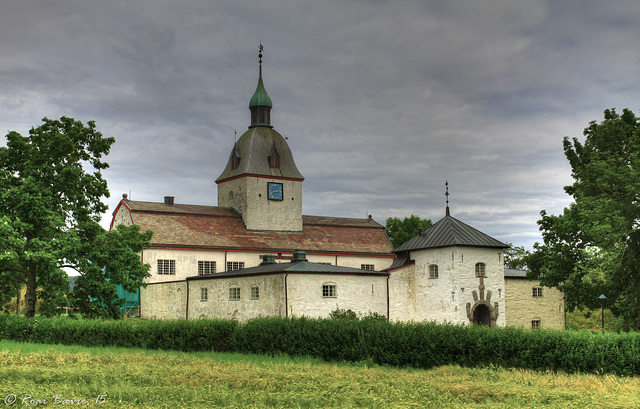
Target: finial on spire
(260, 50)
(446, 195)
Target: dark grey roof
(449, 232)
(302, 267)
(513, 273)
(253, 148)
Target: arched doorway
(482, 315)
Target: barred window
(167, 267)
(433, 271)
(235, 265)
(234, 293)
(535, 323)
(329, 290)
(206, 268)
(537, 292)
(255, 292)
(368, 267)
(204, 294)
(480, 270)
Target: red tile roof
(192, 226)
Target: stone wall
(362, 294)
(164, 301)
(457, 291)
(523, 308)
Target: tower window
(537, 292)
(433, 271)
(274, 158)
(480, 270)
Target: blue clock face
(274, 191)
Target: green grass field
(132, 378)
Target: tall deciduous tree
(51, 191)
(400, 231)
(593, 247)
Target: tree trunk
(18, 301)
(30, 296)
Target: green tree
(399, 231)
(593, 247)
(515, 257)
(51, 191)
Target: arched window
(255, 292)
(329, 290)
(480, 270)
(433, 271)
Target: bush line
(420, 345)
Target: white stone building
(255, 254)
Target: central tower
(261, 180)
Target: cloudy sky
(381, 101)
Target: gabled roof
(301, 267)
(448, 232)
(212, 227)
(513, 273)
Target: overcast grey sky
(381, 101)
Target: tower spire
(446, 195)
(260, 104)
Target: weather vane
(261, 49)
(446, 195)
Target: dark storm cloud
(381, 101)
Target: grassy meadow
(136, 378)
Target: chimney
(268, 259)
(298, 256)
(168, 200)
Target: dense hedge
(421, 345)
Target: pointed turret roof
(448, 232)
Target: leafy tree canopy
(51, 191)
(515, 257)
(593, 247)
(399, 231)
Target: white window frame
(481, 270)
(206, 268)
(204, 294)
(166, 267)
(537, 292)
(329, 290)
(234, 293)
(235, 265)
(433, 271)
(255, 292)
(368, 267)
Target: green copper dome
(260, 98)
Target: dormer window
(274, 158)
(235, 159)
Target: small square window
(255, 292)
(166, 267)
(329, 290)
(234, 293)
(537, 292)
(433, 271)
(204, 294)
(535, 324)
